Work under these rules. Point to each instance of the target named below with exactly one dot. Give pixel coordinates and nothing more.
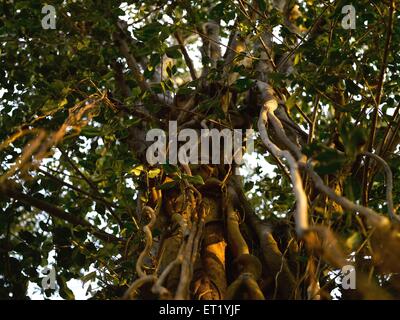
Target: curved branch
(301, 216)
(301, 213)
(373, 217)
(158, 287)
(137, 284)
(186, 56)
(378, 99)
(149, 241)
(235, 239)
(389, 185)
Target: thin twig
(378, 98)
(389, 184)
(186, 56)
(149, 241)
(56, 212)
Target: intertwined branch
(191, 223)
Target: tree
(78, 101)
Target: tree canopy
(322, 191)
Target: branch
(301, 211)
(143, 277)
(137, 284)
(236, 241)
(301, 216)
(384, 147)
(132, 64)
(94, 197)
(283, 61)
(119, 78)
(9, 191)
(137, 74)
(278, 127)
(275, 261)
(91, 185)
(191, 243)
(158, 287)
(378, 98)
(149, 241)
(371, 215)
(314, 119)
(73, 165)
(389, 184)
(186, 274)
(186, 56)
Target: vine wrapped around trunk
(206, 150)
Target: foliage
(73, 107)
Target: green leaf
(63, 102)
(154, 173)
(329, 161)
(354, 241)
(137, 170)
(149, 31)
(243, 84)
(169, 169)
(352, 87)
(89, 277)
(91, 132)
(262, 5)
(353, 138)
(27, 236)
(194, 179)
(291, 101)
(64, 291)
(167, 185)
(173, 52)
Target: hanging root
(301, 213)
(273, 259)
(319, 239)
(301, 216)
(190, 222)
(247, 267)
(143, 277)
